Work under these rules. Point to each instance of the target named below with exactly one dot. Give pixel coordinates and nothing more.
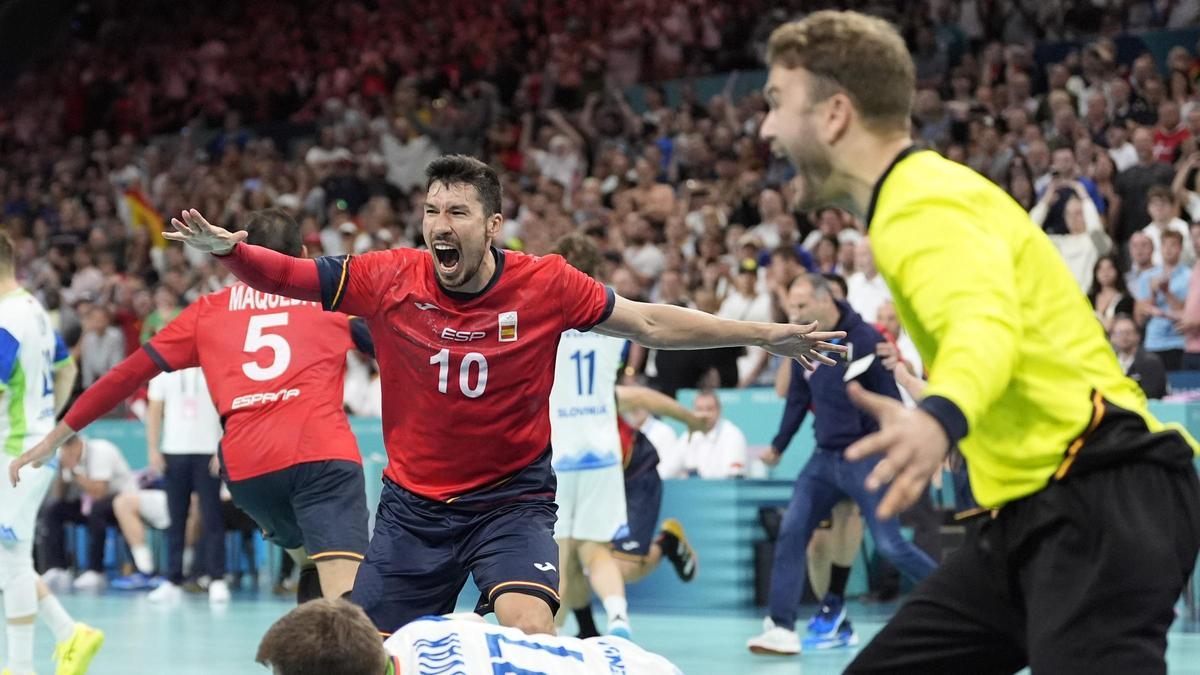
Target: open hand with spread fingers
(804, 343)
(913, 445)
(192, 229)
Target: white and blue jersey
(29, 352)
(583, 402)
(444, 646)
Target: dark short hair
(8, 253)
(273, 228)
(1159, 192)
(464, 170)
(323, 637)
(1172, 234)
(580, 252)
(839, 281)
(709, 392)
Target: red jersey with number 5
(275, 368)
(466, 378)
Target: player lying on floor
(334, 637)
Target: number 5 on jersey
(257, 340)
(442, 361)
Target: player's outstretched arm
(259, 268)
(670, 327)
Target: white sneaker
(90, 581)
(218, 592)
(58, 579)
(775, 640)
(167, 592)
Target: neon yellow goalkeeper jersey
(1021, 373)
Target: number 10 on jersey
(442, 361)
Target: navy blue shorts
(318, 506)
(422, 550)
(643, 500)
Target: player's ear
(839, 111)
(493, 225)
(303, 251)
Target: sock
(616, 608)
(57, 620)
(20, 648)
(143, 560)
(587, 623)
(837, 581)
(189, 557)
(309, 587)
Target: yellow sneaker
(678, 550)
(74, 654)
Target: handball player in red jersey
(274, 368)
(466, 336)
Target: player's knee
(124, 503)
(19, 588)
(535, 623)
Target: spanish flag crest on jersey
(508, 327)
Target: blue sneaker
(828, 619)
(844, 637)
(134, 582)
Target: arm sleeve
(799, 397)
(174, 347)
(116, 386)
(9, 350)
(272, 272)
(61, 353)
(355, 284)
(961, 284)
(585, 301)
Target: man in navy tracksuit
(828, 478)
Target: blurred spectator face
(770, 205)
(1119, 90)
(826, 252)
(143, 303)
(1073, 214)
(1161, 210)
(1141, 249)
(165, 300)
(625, 284)
(1143, 142)
(807, 304)
(1172, 248)
(1097, 108)
(1168, 114)
(670, 287)
(1063, 162)
(886, 316)
(708, 408)
(97, 319)
(829, 222)
(1058, 76)
(645, 172)
(1125, 336)
(1106, 273)
(1154, 91)
(864, 260)
(1038, 156)
(1104, 170)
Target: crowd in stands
(330, 111)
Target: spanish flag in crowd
(143, 215)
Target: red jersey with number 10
(275, 368)
(466, 378)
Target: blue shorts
(422, 550)
(318, 506)
(643, 500)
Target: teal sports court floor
(194, 639)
